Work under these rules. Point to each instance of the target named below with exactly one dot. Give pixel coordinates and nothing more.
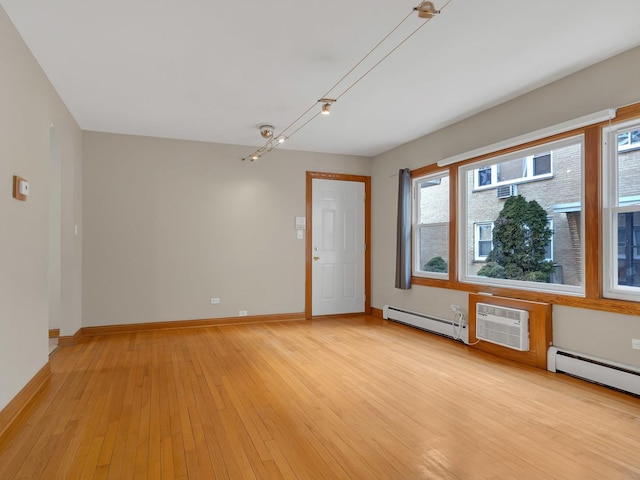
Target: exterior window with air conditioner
(621, 215)
(528, 235)
(431, 226)
(508, 173)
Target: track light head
(326, 105)
(426, 10)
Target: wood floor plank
(332, 398)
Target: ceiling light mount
(426, 10)
(326, 105)
(266, 130)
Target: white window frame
(612, 206)
(417, 268)
(528, 177)
(476, 240)
(631, 145)
(463, 242)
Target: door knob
(316, 258)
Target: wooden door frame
(366, 180)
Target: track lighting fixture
(266, 131)
(326, 105)
(426, 10)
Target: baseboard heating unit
(441, 326)
(595, 370)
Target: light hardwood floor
(332, 398)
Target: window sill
(624, 307)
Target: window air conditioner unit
(504, 326)
(506, 191)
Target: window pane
(484, 247)
(484, 232)
(542, 164)
(431, 225)
(434, 248)
(623, 139)
(537, 235)
(484, 177)
(628, 174)
(512, 170)
(628, 258)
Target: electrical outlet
(215, 300)
(242, 313)
(635, 343)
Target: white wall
(29, 106)
(611, 83)
(168, 224)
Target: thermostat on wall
(23, 188)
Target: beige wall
(169, 224)
(29, 106)
(611, 83)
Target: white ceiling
(212, 70)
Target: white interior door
(338, 247)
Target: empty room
(337, 240)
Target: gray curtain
(403, 243)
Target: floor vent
(595, 370)
(428, 323)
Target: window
(431, 226)
(628, 140)
(483, 240)
(543, 223)
(515, 170)
(621, 217)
